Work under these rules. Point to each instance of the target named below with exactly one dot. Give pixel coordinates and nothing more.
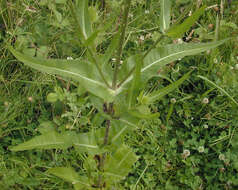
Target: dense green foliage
(188, 142)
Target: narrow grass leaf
(219, 88)
(158, 94)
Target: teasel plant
(115, 90)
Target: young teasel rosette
(116, 91)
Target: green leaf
(165, 6)
(158, 94)
(82, 18)
(68, 174)
(81, 71)
(119, 164)
(178, 31)
(46, 141)
(136, 81)
(219, 88)
(161, 56)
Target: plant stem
(106, 137)
(122, 38)
(102, 159)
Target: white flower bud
(186, 153)
(215, 60)
(221, 157)
(205, 101)
(30, 99)
(173, 100)
(201, 149)
(142, 38)
(6, 104)
(147, 11)
(69, 58)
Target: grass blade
(219, 88)
(157, 95)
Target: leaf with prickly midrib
(49, 140)
(161, 56)
(81, 71)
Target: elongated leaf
(158, 94)
(178, 31)
(219, 88)
(81, 71)
(136, 82)
(161, 56)
(68, 174)
(82, 18)
(118, 165)
(46, 141)
(165, 6)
